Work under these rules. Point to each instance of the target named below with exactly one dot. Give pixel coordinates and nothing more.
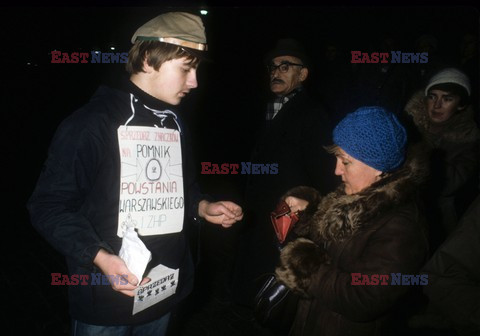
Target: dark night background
(222, 113)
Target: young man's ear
(146, 67)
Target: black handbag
(275, 305)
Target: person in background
(442, 121)
(121, 161)
(295, 129)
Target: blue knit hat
(373, 136)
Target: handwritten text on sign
(151, 183)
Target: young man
(122, 162)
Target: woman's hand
(299, 261)
(296, 204)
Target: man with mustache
(296, 128)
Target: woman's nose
(338, 168)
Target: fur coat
(459, 129)
(453, 144)
(453, 149)
(378, 231)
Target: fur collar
(461, 128)
(339, 216)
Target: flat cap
(179, 28)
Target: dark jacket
(377, 231)
(454, 275)
(293, 140)
(454, 153)
(76, 201)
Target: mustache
(276, 81)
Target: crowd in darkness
(224, 113)
(341, 86)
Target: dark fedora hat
(288, 47)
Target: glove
(300, 260)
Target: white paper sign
(163, 284)
(151, 182)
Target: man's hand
(225, 213)
(113, 265)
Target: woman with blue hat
(361, 246)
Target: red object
(283, 220)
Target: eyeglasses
(282, 67)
